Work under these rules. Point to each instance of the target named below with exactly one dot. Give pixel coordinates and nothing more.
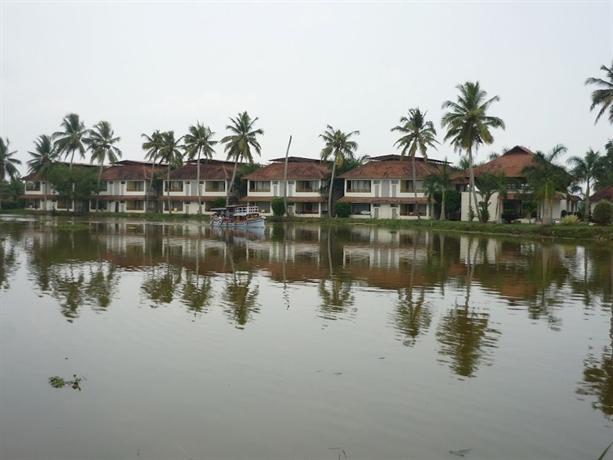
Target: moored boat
(238, 216)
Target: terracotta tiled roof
(290, 199)
(130, 170)
(302, 170)
(383, 200)
(392, 167)
(296, 160)
(603, 194)
(512, 163)
(216, 170)
(190, 198)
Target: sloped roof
(301, 170)
(603, 194)
(392, 167)
(512, 163)
(295, 159)
(130, 170)
(215, 170)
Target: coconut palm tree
(171, 153)
(152, 146)
(338, 148)
(71, 140)
(468, 124)
(440, 181)
(241, 143)
(417, 134)
(101, 142)
(603, 96)
(8, 164)
(42, 160)
(199, 143)
(585, 170)
(546, 178)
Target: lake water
(304, 342)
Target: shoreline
(594, 233)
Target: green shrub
(603, 213)
(570, 220)
(218, 203)
(278, 206)
(342, 209)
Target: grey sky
(299, 67)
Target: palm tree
(71, 140)
(199, 143)
(8, 164)
(603, 96)
(171, 153)
(152, 146)
(468, 124)
(546, 178)
(43, 156)
(240, 142)
(586, 169)
(417, 134)
(439, 182)
(101, 142)
(338, 149)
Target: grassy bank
(579, 231)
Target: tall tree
(101, 141)
(545, 178)
(418, 133)
(241, 143)
(171, 153)
(440, 182)
(468, 124)
(338, 148)
(43, 156)
(199, 143)
(71, 139)
(602, 97)
(586, 169)
(152, 146)
(8, 164)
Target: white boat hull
(252, 223)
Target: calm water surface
(303, 342)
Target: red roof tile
(392, 168)
(300, 170)
(603, 194)
(215, 170)
(512, 163)
(130, 170)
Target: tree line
(467, 123)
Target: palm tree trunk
(471, 179)
(415, 187)
(588, 211)
(151, 180)
(98, 191)
(198, 185)
(443, 196)
(168, 190)
(232, 181)
(73, 184)
(330, 214)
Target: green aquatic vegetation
(59, 382)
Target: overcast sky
(299, 67)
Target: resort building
(604, 194)
(183, 193)
(519, 202)
(306, 180)
(126, 187)
(383, 188)
(40, 195)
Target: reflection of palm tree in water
(160, 287)
(335, 292)
(8, 259)
(413, 317)
(197, 290)
(239, 295)
(69, 289)
(101, 284)
(464, 334)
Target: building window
(259, 186)
(358, 186)
(215, 186)
(104, 186)
(411, 209)
(307, 208)
(175, 186)
(176, 206)
(63, 204)
(33, 186)
(264, 206)
(137, 186)
(102, 205)
(135, 205)
(360, 208)
(307, 186)
(33, 204)
(406, 186)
